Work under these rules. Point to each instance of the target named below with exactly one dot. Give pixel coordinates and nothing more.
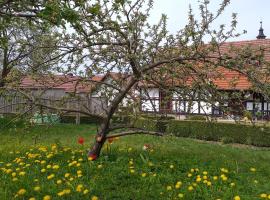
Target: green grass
(110, 177)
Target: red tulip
(81, 140)
(146, 147)
(110, 140)
(92, 157)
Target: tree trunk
(100, 139)
(105, 126)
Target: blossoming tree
(101, 36)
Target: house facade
(155, 99)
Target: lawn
(48, 163)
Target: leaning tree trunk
(100, 138)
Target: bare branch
(138, 132)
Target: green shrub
(236, 133)
(248, 115)
(146, 124)
(156, 117)
(83, 119)
(158, 125)
(212, 131)
(121, 119)
(196, 117)
(227, 140)
(11, 121)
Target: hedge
(11, 121)
(83, 119)
(212, 131)
(149, 124)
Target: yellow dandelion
(252, 169)
(224, 170)
(132, 171)
(79, 188)
(55, 167)
(67, 191)
(22, 173)
(99, 166)
(189, 175)
(205, 172)
(43, 162)
(143, 174)
(13, 174)
(171, 166)
(43, 170)
(215, 178)
(263, 195)
(169, 187)
(59, 182)
(85, 191)
(50, 176)
(232, 184)
(67, 175)
(94, 198)
(32, 198)
(198, 179)
(190, 188)
(49, 155)
(178, 184)
(21, 192)
(47, 197)
(62, 193)
(237, 198)
(15, 179)
(180, 195)
(37, 188)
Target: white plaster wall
(206, 108)
(153, 92)
(147, 106)
(178, 106)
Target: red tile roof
(227, 79)
(65, 82)
(231, 80)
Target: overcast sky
(250, 13)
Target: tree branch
(135, 133)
